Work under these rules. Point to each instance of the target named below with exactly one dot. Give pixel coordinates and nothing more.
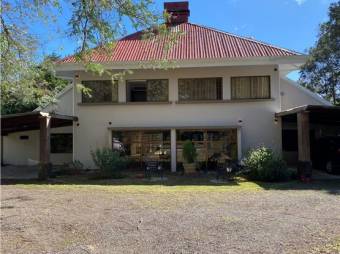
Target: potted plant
(189, 156)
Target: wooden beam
(45, 137)
(303, 136)
(304, 162)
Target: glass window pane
(101, 91)
(255, 87)
(157, 90)
(61, 143)
(200, 89)
(141, 145)
(210, 143)
(147, 90)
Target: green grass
(146, 187)
(174, 184)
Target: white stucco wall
(64, 104)
(258, 125)
(294, 95)
(20, 152)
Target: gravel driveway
(96, 219)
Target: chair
(152, 168)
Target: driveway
(125, 217)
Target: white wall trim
(287, 60)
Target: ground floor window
(208, 143)
(61, 143)
(147, 144)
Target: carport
(36, 120)
(322, 120)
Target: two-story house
(220, 90)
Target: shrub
(109, 162)
(265, 165)
(189, 151)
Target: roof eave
(291, 60)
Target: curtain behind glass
(200, 89)
(256, 87)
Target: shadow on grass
(330, 186)
(130, 179)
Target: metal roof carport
(304, 116)
(36, 120)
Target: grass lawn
(180, 215)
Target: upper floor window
(152, 90)
(252, 87)
(101, 91)
(195, 89)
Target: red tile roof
(195, 42)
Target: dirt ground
(95, 218)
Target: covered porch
(36, 120)
(165, 144)
(302, 127)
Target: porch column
(239, 144)
(304, 162)
(45, 129)
(173, 150)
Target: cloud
(300, 2)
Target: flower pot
(189, 168)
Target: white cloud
(300, 2)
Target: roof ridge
(246, 38)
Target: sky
(291, 24)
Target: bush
(265, 165)
(109, 162)
(189, 151)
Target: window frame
(113, 83)
(128, 95)
(197, 100)
(251, 98)
(53, 151)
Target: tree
(26, 83)
(321, 73)
(38, 86)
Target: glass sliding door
(145, 144)
(208, 143)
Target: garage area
(33, 131)
(311, 138)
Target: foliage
(109, 162)
(37, 88)
(189, 151)
(321, 73)
(264, 165)
(95, 24)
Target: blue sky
(291, 24)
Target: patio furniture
(153, 168)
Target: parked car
(326, 154)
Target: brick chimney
(179, 12)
